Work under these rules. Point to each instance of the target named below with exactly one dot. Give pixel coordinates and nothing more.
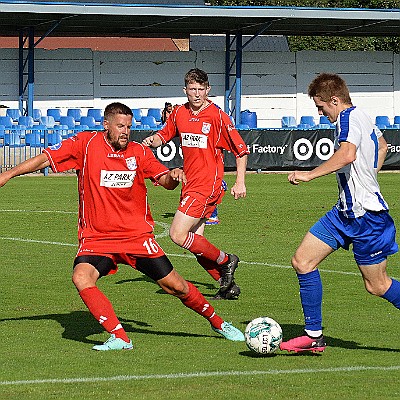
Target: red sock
(102, 309)
(210, 266)
(196, 301)
(199, 245)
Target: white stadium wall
(273, 83)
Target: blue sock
(393, 293)
(311, 299)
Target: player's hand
(178, 175)
(238, 190)
(148, 141)
(296, 177)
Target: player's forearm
(382, 151)
(152, 141)
(31, 165)
(241, 165)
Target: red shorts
(196, 206)
(121, 251)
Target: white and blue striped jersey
(358, 186)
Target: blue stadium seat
(137, 114)
(55, 136)
(2, 131)
(55, 113)
(396, 120)
(288, 121)
(14, 113)
(33, 139)
(48, 121)
(307, 120)
(90, 122)
(156, 113)
(75, 113)
(36, 115)
(96, 113)
(150, 121)
(382, 121)
(68, 120)
(6, 121)
(25, 120)
(12, 138)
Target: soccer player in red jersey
(204, 131)
(115, 225)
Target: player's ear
(184, 90)
(208, 90)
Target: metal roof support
(26, 67)
(237, 84)
(26, 71)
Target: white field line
(200, 375)
(163, 234)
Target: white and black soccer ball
(263, 335)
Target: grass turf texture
(47, 332)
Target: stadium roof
(100, 18)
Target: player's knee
(299, 265)
(177, 237)
(177, 288)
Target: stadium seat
(39, 129)
(307, 120)
(90, 122)
(12, 138)
(2, 131)
(55, 136)
(14, 113)
(382, 121)
(96, 113)
(150, 121)
(288, 121)
(25, 120)
(68, 120)
(396, 120)
(55, 113)
(48, 121)
(75, 113)
(156, 113)
(137, 114)
(304, 126)
(33, 139)
(6, 121)
(36, 115)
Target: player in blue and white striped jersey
(360, 217)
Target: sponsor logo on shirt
(206, 128)
(194, 140)
(117, 179)
(115, 155)
(131, 163)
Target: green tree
(297, 43)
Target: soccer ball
(263, 335)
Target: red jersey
(113, 203)
(203, 137)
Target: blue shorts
(373, 235)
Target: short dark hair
(116, 108)
(327, 85)
(196, 75)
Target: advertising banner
(278, 149)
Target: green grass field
(47, 332)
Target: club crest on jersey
(206, 128)
(131, 163)
(55, 146)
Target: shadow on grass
(200, 285)
(292, 330)
(78, 325)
